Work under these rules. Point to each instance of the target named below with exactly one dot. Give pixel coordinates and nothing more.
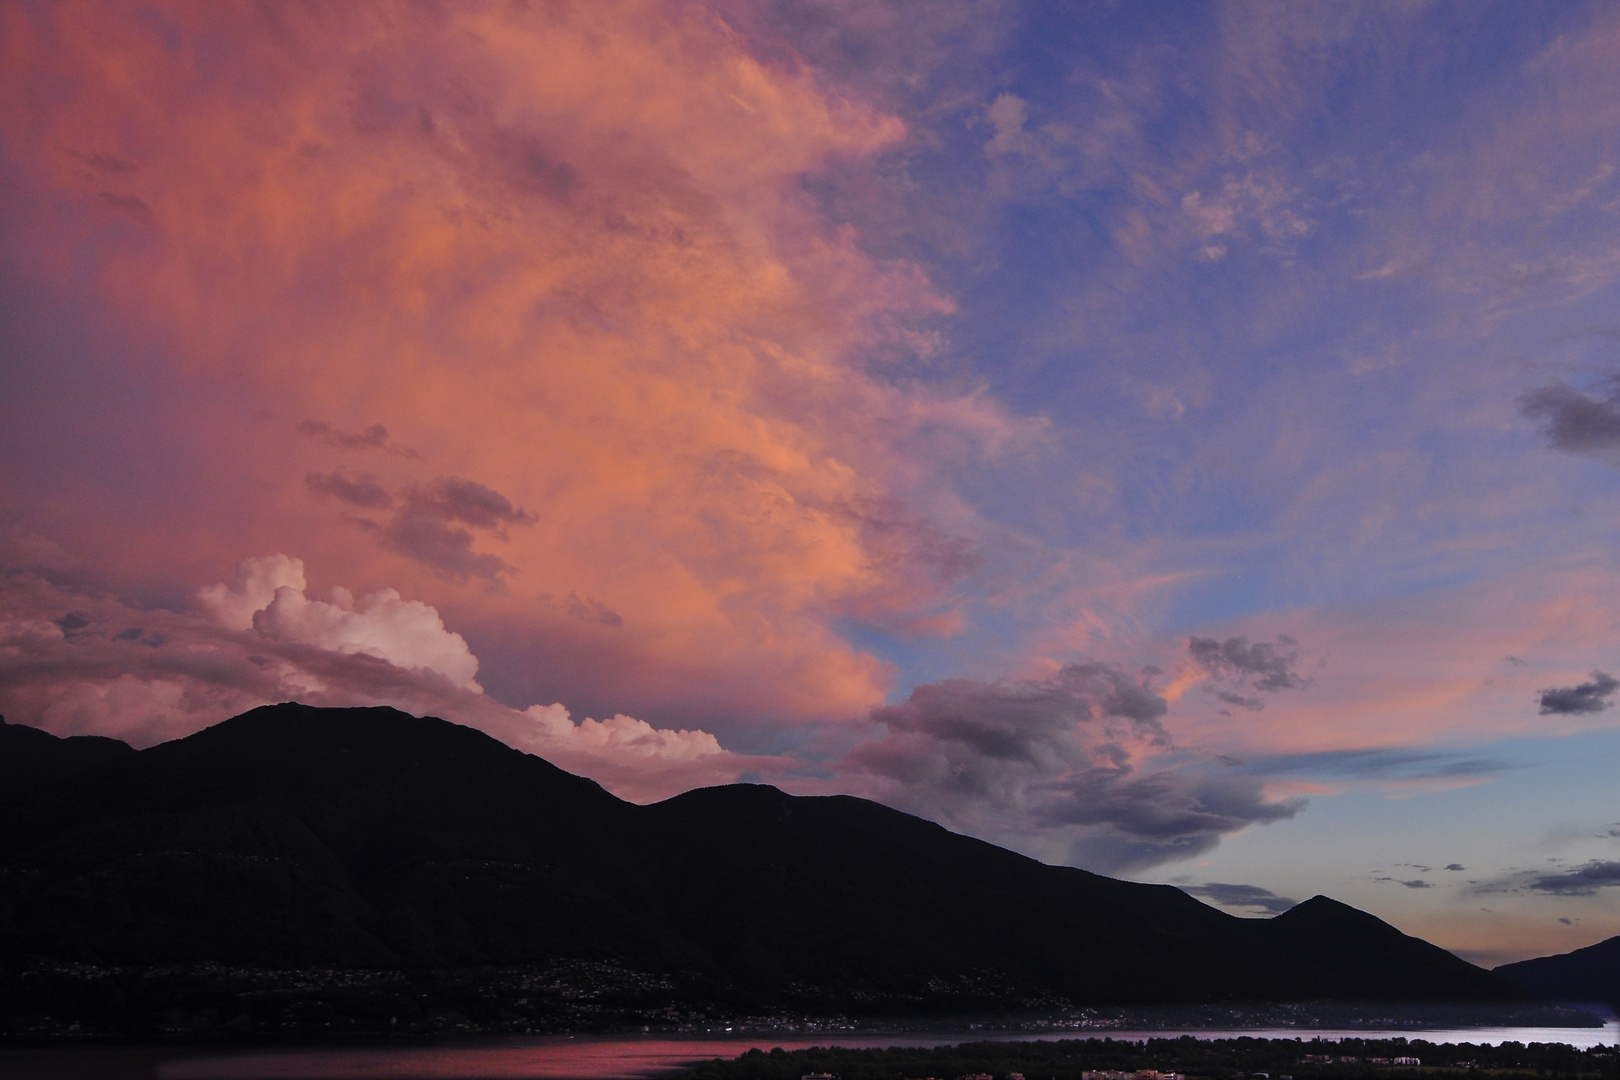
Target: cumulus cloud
(233, 604)
(149, 675)
(406, 633)
(1252, 897)
(618, 736)
(1575, 422)
(1582, 699)
(1049, 766)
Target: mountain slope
(1591, 974)
(366, 837)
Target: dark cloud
(1046, 765)
(1415, 883)
(1455, 866)
(374, 437)
(452, 499)
(1574, 422)
(446, 548)
(1156, 818)
(1031, 721)
(1588, 697)
(364, 491)
(1260, 667)
(433, 526)
(1242, 896)
(73, 620)
(1581, 881)
(433, 522)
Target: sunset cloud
(587, 330)
(149, 675)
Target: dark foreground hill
(388, 847)
(1590, 975)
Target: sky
(1177, 440)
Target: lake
(604, 1058)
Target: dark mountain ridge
(293, 836)
(1587, 976)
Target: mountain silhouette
(294, 836)
(1589, 975)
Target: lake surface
(599, 1058)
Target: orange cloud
(562, 254)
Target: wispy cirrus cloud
(1374, 764)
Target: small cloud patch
(1584, 699)
(1415, 883)
(1574, 422)
(374, 437)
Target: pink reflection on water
(553, 1059)
(627, 1059)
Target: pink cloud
(568, 261)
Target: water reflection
(587, 1058)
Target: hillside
(292, 837)
(1590, 975)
